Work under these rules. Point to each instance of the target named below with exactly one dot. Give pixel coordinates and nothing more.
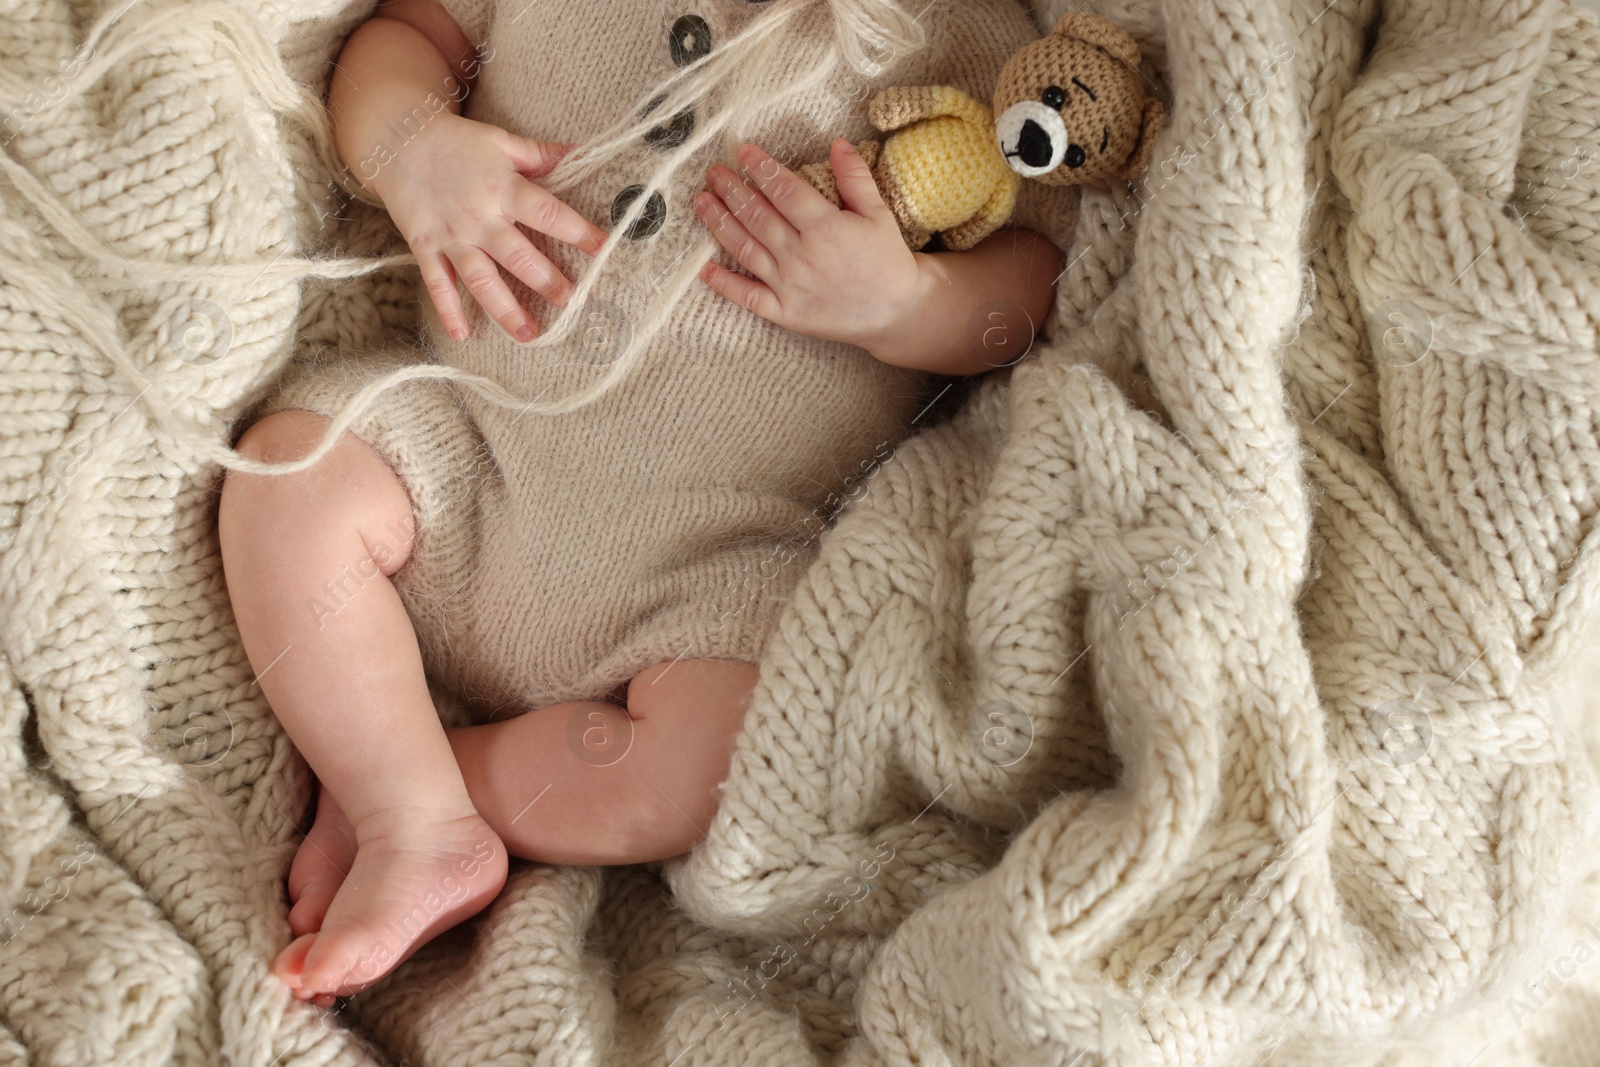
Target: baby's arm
(456, 189)
(975, 310)
(845, 274)
(406, 62)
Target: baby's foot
(416, 874)
(320, 866)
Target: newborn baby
(597, 584)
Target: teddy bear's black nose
(1075, 156)
(1033, 144)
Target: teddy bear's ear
(1101, 32)
(1151, 124)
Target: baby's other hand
(456, 193)
(841, 275)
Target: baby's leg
(584, 782)
(307, 558)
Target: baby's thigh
(687, 714)
(715, 690)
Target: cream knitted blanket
(1193, 693)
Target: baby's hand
(841, 275)
(456, 193)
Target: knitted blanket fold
(1191, 695)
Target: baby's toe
(291, 962)
(312, 906)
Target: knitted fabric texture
(1191, 695)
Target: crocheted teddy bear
(1071, 109)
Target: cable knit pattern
(1196, 693)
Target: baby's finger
(754, 212)
(516, 254)
(747, 293)
(535, 157)
(491, 292)
(795, 200)
(857, 188)
(440, 280)
(539, 209)
(731, 234)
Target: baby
(584, 579)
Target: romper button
(690, 40)
(674, 131)
(649, 221)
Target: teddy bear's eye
(1054, 97)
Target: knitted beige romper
(558, 556)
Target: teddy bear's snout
(1034, 139)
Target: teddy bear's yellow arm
(902, 105)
